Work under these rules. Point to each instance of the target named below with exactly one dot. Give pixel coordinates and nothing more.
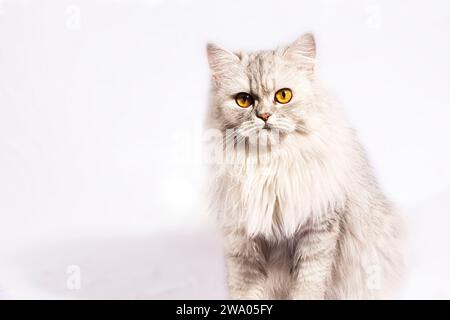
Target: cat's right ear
(220, 60)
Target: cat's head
(266, 91)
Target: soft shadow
(165, 266)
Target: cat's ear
(303, 51)
(220, 60)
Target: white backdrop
(100, 175)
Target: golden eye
(244, 100)
(283, 95)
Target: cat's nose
(265, 115)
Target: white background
(101, 111)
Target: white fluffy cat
(302, 215)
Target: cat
(302, 214)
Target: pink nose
(265, 116)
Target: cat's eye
(244, 100)
(283, 95)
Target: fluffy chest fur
(274, 194)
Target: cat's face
(264, 92)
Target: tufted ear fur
(220, 60)
(303, 51)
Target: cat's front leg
(246, 268)
(313, 259)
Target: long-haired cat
(302, 214)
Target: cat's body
(304, 217)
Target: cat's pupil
(283, 94)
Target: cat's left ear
(220, 60)
(303, 51)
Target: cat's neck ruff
(299, 181)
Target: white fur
(313, 174)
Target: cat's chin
(265, 135)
